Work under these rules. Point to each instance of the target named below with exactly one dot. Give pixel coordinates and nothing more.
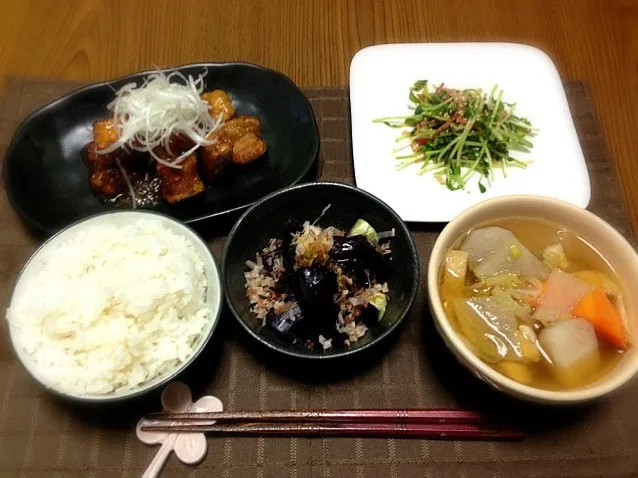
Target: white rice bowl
(114, 305)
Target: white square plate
(380, 78)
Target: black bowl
(47, 181)
(265, 220)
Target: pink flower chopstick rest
(190, 448)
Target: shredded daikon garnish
(128, 182)
(147, 116)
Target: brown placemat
(39, 436)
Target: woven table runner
(41, 436)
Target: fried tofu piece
(220, 104)
(180, 184)
(105, 133)
(107, 182)
(96, 160)
(216, 158)
(244, 132)
(241, 126)
(248, 148)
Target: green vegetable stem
(460, 134)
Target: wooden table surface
(313, 41)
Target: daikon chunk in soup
(535, 302)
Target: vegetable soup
(536, 302)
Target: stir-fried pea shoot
(457, 134)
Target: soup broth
(549, 345)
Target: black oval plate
(47, 181)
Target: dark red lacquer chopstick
(430, 424)
(351, 416)
(379, 430)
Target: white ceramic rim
(211, 269)
(452, 340)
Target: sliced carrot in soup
(596, 308)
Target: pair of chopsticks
(425, 423)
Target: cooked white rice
(111, 308)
